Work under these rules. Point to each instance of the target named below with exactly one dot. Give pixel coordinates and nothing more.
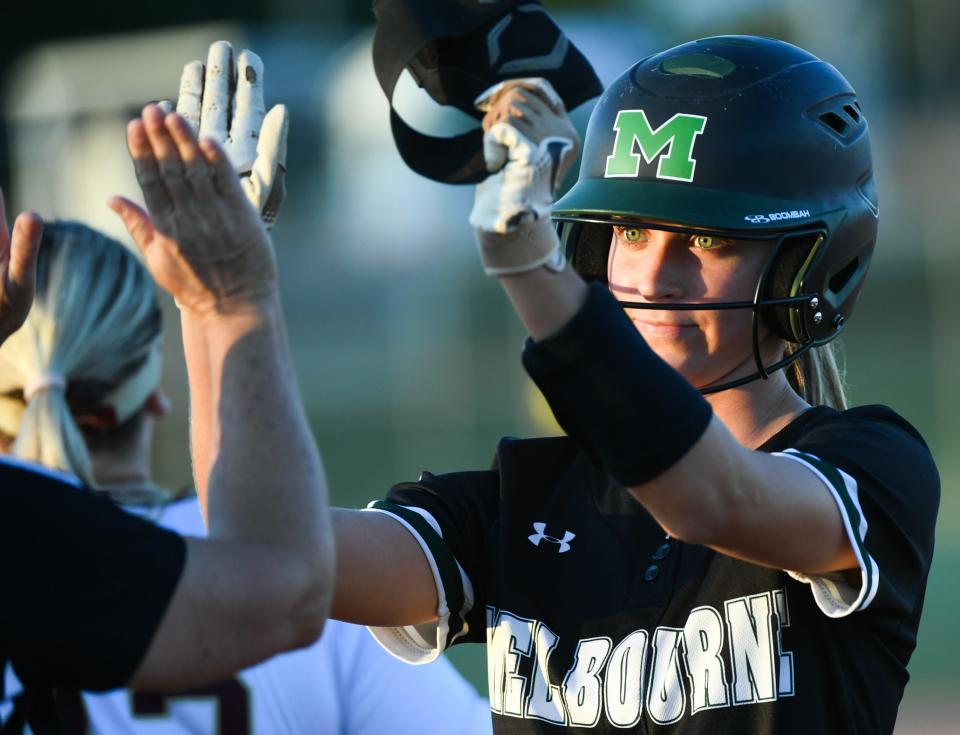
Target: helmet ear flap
(783, 280)
(587, 245)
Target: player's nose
(661, 268)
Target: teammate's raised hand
(224, 101)
(201, 240)
(18, 268)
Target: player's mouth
(661, 327)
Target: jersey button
(651, 573)
(661, 552)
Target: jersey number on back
(231, 697)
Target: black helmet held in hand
(742, 137)
(456, 49)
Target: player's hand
(18, 268)
(202, 240)
(224, 101)
(529, 145)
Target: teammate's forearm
(262, 582)
(195, 350)
(266, 481)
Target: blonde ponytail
(89, 347)
(818, 377)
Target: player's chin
(682, 348)
(694, 368)
(699, 367)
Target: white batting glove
(225, 103)
(528, 146)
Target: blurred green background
(408, 357)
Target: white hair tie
(43, 382)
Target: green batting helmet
(742, 137)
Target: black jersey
(83, 589)
(594, 619)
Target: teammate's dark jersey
(84, 587)
(595, 619)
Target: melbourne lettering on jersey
(720, 658)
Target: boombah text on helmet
(745, 137)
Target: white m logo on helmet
(539, 536)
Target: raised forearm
(201, 403)
(545, 300)
(266, 480)
(262, 582)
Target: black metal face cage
(756, 305)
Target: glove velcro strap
(614, 395)
(520, 250)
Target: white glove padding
(226, 103)
(530, 144)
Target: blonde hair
(818, 376)
(89, 347)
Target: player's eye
(633, 234)
(708, 242)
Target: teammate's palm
(202, 241)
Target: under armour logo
(539, 536)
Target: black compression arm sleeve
(614, 395)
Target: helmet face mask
(737, 137)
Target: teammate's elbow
(312, 606)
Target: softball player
(720, 545)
